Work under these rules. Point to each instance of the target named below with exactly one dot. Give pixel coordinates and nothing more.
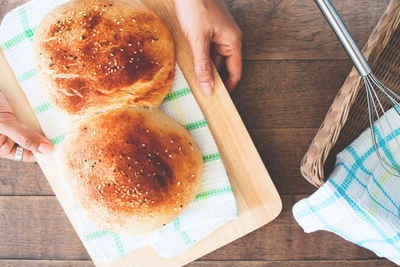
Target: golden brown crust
(131, 170)
(93, 53)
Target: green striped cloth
(213, 206)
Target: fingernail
(45, 148)
(207, 88)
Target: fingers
(8, 149)
(6, 146)
(202, 63)
(26, 156)
(26, 138)
(231, 48)
(234, 67)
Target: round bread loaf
(132, 171)
(93, 53)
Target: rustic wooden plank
(295, 29)
(8, 5)
(280, 94)
(46, 263)
(289, 29)
(36, 228)
(310, 263)
(21, 178)
(267, 98)
(281, 150)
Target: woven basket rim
(312, 164)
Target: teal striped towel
(361, 200)
(213, 206)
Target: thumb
(26, 138)
(202, 64)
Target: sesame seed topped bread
(93, 54)
(131, 170)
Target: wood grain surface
(293, 67)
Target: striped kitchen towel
(361, 200)
(213, 206)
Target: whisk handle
(344, 36)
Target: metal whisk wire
(373, 114)
(373, 88)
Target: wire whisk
(379, 96)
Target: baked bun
(132, 171)
(91, 54)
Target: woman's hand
(210, 28)
(12, 133)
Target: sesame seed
(133, 20)
(179, 148)
(178, 184)
(158, 163)
(166, 150)
(193, 175)
(129, 44)
(171, 141)
(121, 30)
(143, 145)
(136, 162)
(170, 156)
(191, 148)
(140, 50)
(129, 157)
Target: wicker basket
(348, 115)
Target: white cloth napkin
(361, 200)
(213, 206)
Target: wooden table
(293, 67)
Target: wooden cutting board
(257, 199)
